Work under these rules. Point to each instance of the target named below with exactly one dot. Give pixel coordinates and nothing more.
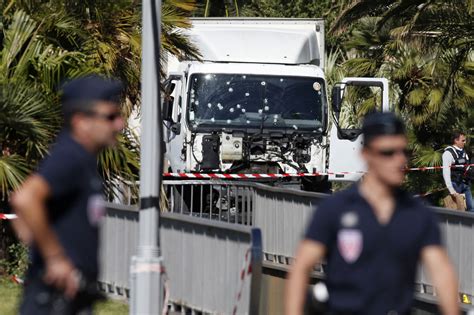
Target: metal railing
(118, 243)
(213, 267)
(457, 228)
(282, 216)
(204, 261)
(223, 201)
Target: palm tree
(431, 76)
(102, 37)
(28, 115)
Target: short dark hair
(381, 124)
(456, 134)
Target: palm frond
(13, 170)
(17, 36)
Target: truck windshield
(256, 101)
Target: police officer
(372, 236)
(59, 206)
(454, 172)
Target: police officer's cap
(381, 124)
(91, 88)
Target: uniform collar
(402, 197)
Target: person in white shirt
(454, 177)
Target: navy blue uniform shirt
(371, 267)
(75, 206)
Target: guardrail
(458, 230)
(118, 243)
(283, 214)
(213, 267)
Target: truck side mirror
(336, 99)
(167, 110)
(168, 100)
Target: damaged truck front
(255, 103)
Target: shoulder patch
(349, 244)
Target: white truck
(256, 102)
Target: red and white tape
(286, 175)
(244, 272)
(17, 279)
(244, 176)
(428, 168)
(5, 216)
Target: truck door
(351, 99)
(173, 123)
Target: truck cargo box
(281, 41)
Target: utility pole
(146, 288)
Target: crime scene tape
(245, 271)
(286, 175)
(17, 279)
(6, 216)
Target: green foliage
(291, 8)
(418, 46)
(29, 115)
(16, 262)
(45, 42)
(11, 294)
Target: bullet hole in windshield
(265, 100)
(196, 102)
(260, 111)
(238, 106)
(229, 121)
(263, 83)
(248, 121)
(281, 80)
(295, 127)
(247, 94)
(275, 116)
(266, 108)
(228, 83)
(243, 110)
(209, 105)
(231, 110)
(208, 76)
(244, 77)
(220, 106)
(231, 90)
(213, 119)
